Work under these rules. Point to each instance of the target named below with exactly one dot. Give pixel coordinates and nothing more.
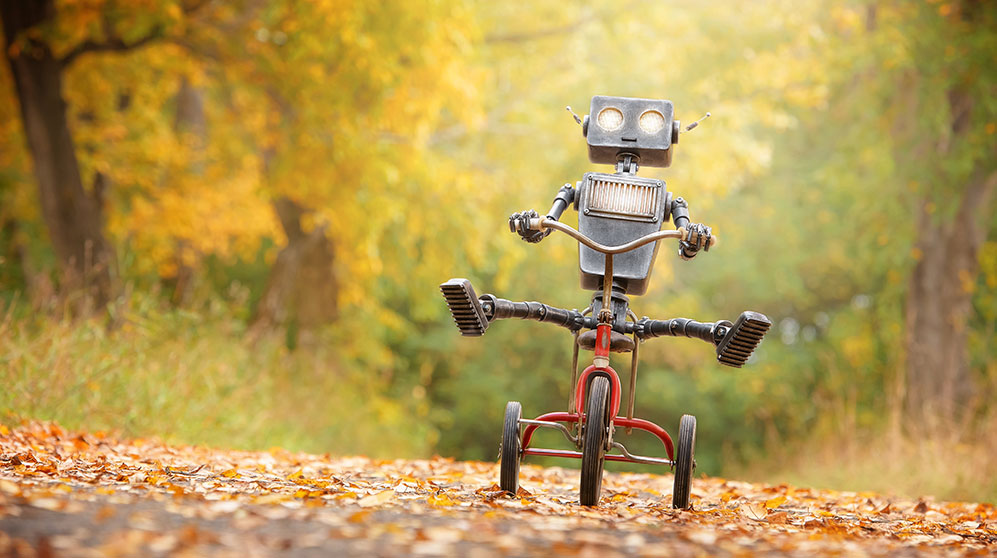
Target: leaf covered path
(90, 494)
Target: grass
(196, 378)
(951, 463)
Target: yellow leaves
(270, 499)
(857, 349)
(230, 473)
(174, 11)
(297, 475)
(773, 503)
(440, 500)
(729, 513)
(377, 499)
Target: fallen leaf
(440, 500)
(296, 475)
(775, 502)
(754, 511)
(376, 499)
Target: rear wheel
(509, 474)
(684, 462)
(594, 439)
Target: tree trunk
(191, 125)
(940, 289)
(70, 215)
(301, 290)
(939, 304)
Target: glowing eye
(652, 122)
(610, 119)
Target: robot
(620, 226)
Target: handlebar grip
(676, 327)
(500, 308)
(685, 236)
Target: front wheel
(509, 474)
(594, 440)
(684, 462)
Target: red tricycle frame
(577, 415)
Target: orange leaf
(295, 475)
(775, 502)
(440, 500)
(230, 473)
(359, 517)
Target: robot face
(642, 127)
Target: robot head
(642, 127)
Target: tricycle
(620, 216)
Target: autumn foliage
(120, 496)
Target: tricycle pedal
(742, 339)
(465, 307)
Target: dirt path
(88, 494)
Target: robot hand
(520, 223)
(699, 237)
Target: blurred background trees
(247, 208)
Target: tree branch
(114, 44)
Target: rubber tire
(594, 440)
(684, 462)
(511, 448)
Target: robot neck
(626, 163)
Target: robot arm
(699, 234)
(519, 222)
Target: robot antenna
(696, 123)
(577, 118)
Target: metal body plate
(614, 209)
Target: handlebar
(542, 223)
(499, 308)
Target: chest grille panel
(612, 197)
